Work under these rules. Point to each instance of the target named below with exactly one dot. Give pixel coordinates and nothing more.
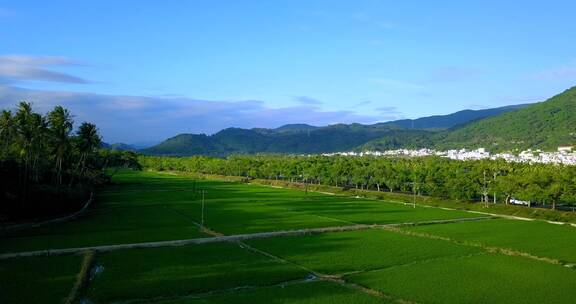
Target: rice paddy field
(379, 252)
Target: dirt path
(228, 238)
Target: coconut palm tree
(60, 124)
(87, 141)
(7, 132)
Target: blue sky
(147, 70)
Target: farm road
(229, 238)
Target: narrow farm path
(229, 238)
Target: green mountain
(118, 147)
(440, 122)
(544, 125)
(332, 138)
(303, 138)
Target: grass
(149, 206)
(536, 237)
(336, 253)
(536, 213)
(486, 278)
(161, 272)
(37, 280)
(314, 292)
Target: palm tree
(60, 123)
(7, 132)
(87, 141)
(25, 136)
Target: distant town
(564, 155)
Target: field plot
(339, 253)
(37, 280)
(534, 237)
(313, 292)
(483, 278)
(165, 272)
(117, 220)
(436, 263)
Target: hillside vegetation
(302, 138)
(545, 125)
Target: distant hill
(544, 125)
(118, 147)
(303, 138)
(332, 138)
(440, 122)
(295, 128)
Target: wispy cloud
(566, 72)
(388, 113)
(519, 99)
(362, 103)
(455, 74)
(142, 118)
(306, 100)
(14, 68)
(398, 84)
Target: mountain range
(545, 125)
(303, 138)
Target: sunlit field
(382, 261)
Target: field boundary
(65, 218)
(82, 279)
(230, 238)
(506, 216)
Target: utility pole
(495, 173)
(203, 192)
(485, 191)
(414, 193)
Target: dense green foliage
(440, 177)
(44, 168)
(301, 138)
(402, 139)
(545, 125)
(441, 122)
(234, 140)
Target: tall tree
(7, 132)
(60, 123)
(87, 141)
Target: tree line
(482, 180)
(45, 166)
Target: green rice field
(456, 261)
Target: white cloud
(133, 119)
(15, 68)
(567, 72)
(306, 100)
(398, 84)
(455, 73)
